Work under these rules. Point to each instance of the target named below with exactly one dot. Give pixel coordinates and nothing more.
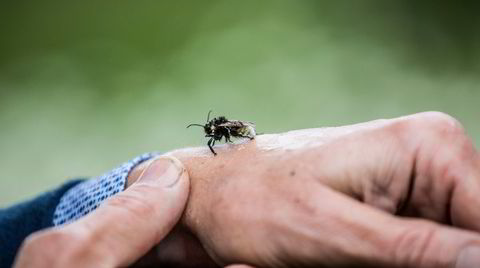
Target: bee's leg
(210, 144)
(213, 144)
(227, 137)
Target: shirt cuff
(85, 197)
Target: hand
(121, 230)
(334, 196)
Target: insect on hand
(220, 127)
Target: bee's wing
(237, 123)
(232, 124)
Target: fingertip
(168, 175)
(164, 184)
(178, 191)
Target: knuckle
(46, 244)
(418, 246)
(444, 143)
(439, 122)
(435, 131)
(410, 245)
(47, 237)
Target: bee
(220, 127)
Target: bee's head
(209, 128)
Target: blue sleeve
(66, 204)
(18, 221)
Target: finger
(419, 166)
(345, 232)
(446, 172)
(127, 225)
(465, 200)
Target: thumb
(127, 225)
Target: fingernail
(469, 258)
(166, 170)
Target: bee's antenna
(195, 125)
(208, 116)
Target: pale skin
(328, 197)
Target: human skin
(403, 192)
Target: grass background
(87, 85)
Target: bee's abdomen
(248, 131)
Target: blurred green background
(86, 85)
